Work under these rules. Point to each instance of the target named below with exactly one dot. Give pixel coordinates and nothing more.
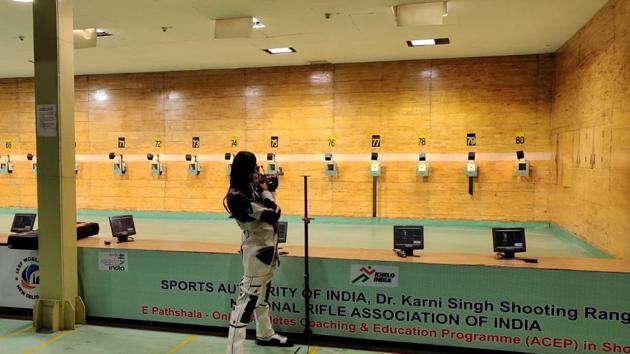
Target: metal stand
(374, 192)
(307, 285)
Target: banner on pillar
(47, 120)
(19, 278)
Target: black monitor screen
(23, 222)
(409, 237)
(282, 231)
(331, 167)
(122, 226)
(522, 166)
(508, 239)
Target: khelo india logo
(378, 276)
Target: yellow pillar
(59, 307)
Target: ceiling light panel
(420, 42)
(283, 50)
(428, 42)
(419, 14)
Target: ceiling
(357, 31)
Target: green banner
(518, 309)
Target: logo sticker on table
(27, 277)
(113, 262)
(374, 275)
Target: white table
(19, 277)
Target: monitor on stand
(122, 227)
(508, 241)
(408, 238)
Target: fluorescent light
(284, 50)
(257, 23)
(428, 41)
(23, 0)
(419, 42)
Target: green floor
(18, 336)
(440, 236)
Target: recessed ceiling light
(425, 42)
(23, 0)
(284, 50)
(102, 33)
(257, 23)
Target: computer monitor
(408, 238)
(23, 222)
(522, 166)
(282, 231)
(122, 227)
(509, 240)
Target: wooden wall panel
(441, 100)
(591, 107)
(389, 99)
